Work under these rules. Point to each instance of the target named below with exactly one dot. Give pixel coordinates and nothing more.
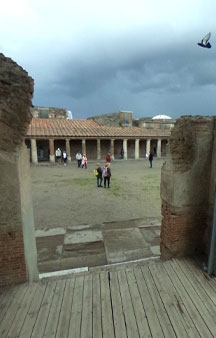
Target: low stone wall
(186, 187)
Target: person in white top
(58, 154)
(79, 159)
(64, 155)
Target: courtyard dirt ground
(78, 224)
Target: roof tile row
(86, 128)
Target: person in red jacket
(108, 158)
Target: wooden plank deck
(154, 300)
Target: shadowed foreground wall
(18, 262)
(187, 181)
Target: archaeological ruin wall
(18, 257)
(187, 187)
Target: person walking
(79, 159)
(64, 155)
(108, 158)
(150, 158)
(106, 175)
(58, 155)
(84, 161)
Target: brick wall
(186, 187)
(12, 260)
(182, 231)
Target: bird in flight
(204, 42)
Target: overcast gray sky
(95, 57)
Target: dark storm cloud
(175, 69)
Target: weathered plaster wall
(186, 192)
(17, 241)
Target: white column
(112, 149)
(51, 150)
(125, 149)
(148, 143)
(98, 149)
(159, 148)
(68, 150)
(137, 149)
(34, 151)
(83, 146)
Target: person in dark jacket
(150, 158)
(106, 174)
(99, 176)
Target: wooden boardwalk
(170, 299)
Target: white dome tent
(161, 117)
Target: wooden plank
(139, 311)
(3, 293)
(118, 315)
(198, 288)
(86, 327)
(197, 298)
(130, 318)
(76, 313)
(97, 316)
(201, 278)
(158, 305)
(199, 269)
(43, 314)
(6, 302)
(65, 315)
(185, 298)
(184, 313)
(33, 311)
(173, 307)
(151, 314)
(12, 310)
(52, 321)
(106, 307)
(22, 311)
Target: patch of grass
(115, 189)
(85, 182)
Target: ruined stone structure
(96, 136)
(18, 261)
(44, 136)
(187, 186)
(48, 112)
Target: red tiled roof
(44, 128)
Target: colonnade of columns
(112, 149)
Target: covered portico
(86, 136)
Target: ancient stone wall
(186, 187)
(18, 261)
(110, 120)
(48, 112)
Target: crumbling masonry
(187, 187)
(18, 261)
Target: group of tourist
(81, 160)
(105, 174)
(101, 175)
(61, 155)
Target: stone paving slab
(84, 236)
(123, 245)
(50, 247)
(95, 245)
(155, 250)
